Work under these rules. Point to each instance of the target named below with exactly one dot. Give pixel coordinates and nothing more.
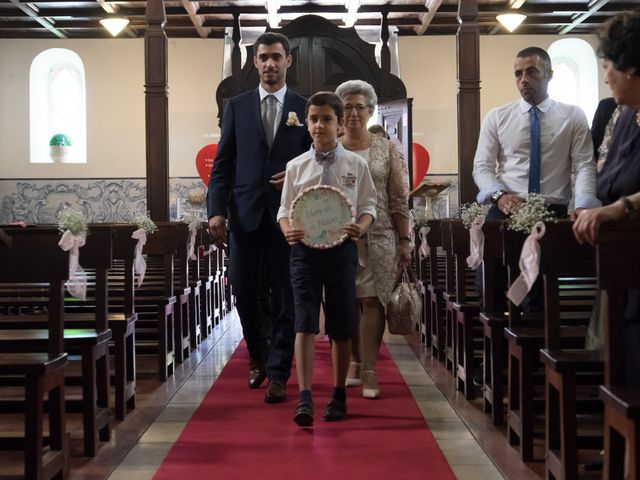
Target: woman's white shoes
(353, 375)
(370, 385)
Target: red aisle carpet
(235, 435)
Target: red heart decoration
(420, 165)
(204, 161)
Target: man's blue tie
(534, 152)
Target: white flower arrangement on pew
(529, 212)
(419, 217)
(193, 220)
(73, 226)
(190, 218)
(72, 220)
(144, 222)
(421, 222)
(469, 212)
(146, 226)
(528, 217)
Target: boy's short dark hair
(325, 98)
(271, 38)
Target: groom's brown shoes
(257, 374)
(276, 392)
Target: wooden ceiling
(209, 19)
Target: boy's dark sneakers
(304, 414)
(336, 410)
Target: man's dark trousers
(258, 257)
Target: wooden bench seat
(90, 344)
(618, 260)
(42, 371)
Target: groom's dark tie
(269, 117)
(534, 151)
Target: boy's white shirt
(349, 172)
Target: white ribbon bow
(476, 243)
(76, 285)
(193, 228)
(424, 246)
(139, 263)
(529, 265)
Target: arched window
(58, 118)
(575, 74)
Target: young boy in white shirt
(333, 269)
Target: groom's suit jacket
(239, 187)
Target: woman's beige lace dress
(378, 268)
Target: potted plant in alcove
(60, 148)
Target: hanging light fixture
(511, 20)
(272, 12)
(114, 24)
(350, 18)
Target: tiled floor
(463, 452)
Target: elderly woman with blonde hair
(388, 242)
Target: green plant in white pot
(60, 147)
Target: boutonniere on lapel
(292, 120)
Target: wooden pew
(568, 372)
(524, 340)
(422, 272)
(448, 297)
(202, 269)
(123, 323)
(618, 260)
(42, 371)
(89, 341)
(466, 309)
(435, 289)
(183, 292)
(493, 323)
(155, 302)
(525, 337)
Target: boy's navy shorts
(335, 270)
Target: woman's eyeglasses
(358, 108)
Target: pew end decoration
(421, 222)
(194, 222)
(146, 226)
(73, 226)
(528, 217)
(471, 212)
(473, 215)
(528, 213)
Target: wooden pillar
(236, 56)
(156, 111)
(468, 70)
(385, 53)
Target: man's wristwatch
(495, 196)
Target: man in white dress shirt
(503, 167)
(504, 170)
(502, 160)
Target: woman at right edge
(387, 245)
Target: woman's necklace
(638, 117)
(362, 145)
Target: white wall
(428, 68)
(115, 106)
(115, 100)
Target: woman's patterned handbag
(405, 305)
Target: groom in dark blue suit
(260, 134)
